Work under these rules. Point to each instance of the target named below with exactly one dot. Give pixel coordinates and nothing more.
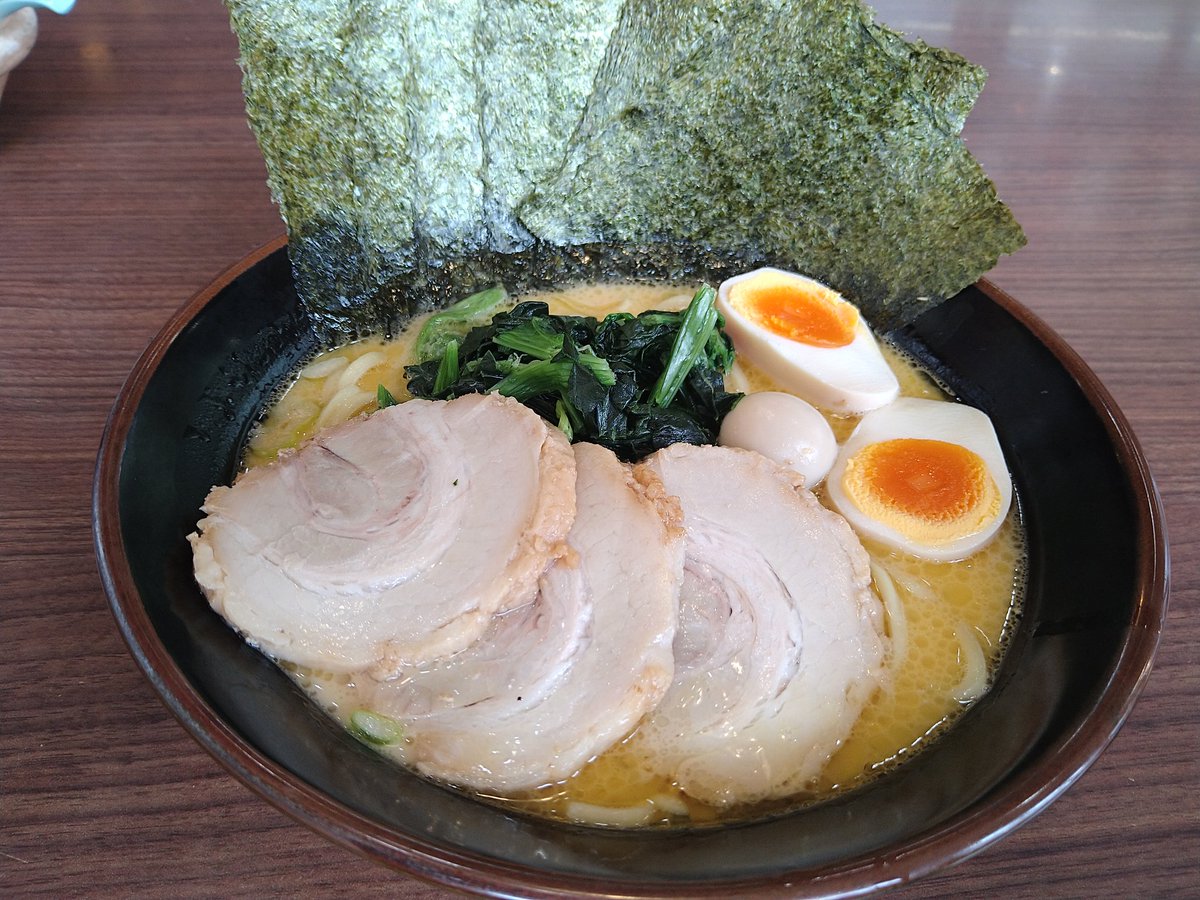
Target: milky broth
(949, 622)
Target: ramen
(946, 622)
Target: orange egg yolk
(799, 311)
(932, 492)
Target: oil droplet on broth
(917, 702)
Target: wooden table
(128, 179)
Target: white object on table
(18, 31)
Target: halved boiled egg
(808, 339)
(924, 476)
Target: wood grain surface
(129, 179)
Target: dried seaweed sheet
(294, 79)
(537, 62)
(400, 136)
(802, 130)
(403, 139)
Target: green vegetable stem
(453, 323)
(699, 321)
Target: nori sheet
(409, 142)
(531, 109)
(805, 130)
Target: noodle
(360, 367)
(897, 622)
(974, 680)
(915, 585)
(320, 368)
(345, 403)
(626, 816)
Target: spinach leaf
(384, 398)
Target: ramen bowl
(1083, 648)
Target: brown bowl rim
(1012, 804)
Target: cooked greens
(631, 383)
(698, 325)
(453, 324)
(384, 397)
(402, 138)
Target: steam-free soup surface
(947, 622)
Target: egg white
(784, 428)
(845, 380)
(935, 420)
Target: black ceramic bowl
(1098, 580)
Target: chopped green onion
(374, 728)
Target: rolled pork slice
(390, 539)
(554, 684)
(780, 641)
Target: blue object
(62, 7)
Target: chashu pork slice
(390, 539)
(553, 684)
(780, 641)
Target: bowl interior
(1096, 596)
